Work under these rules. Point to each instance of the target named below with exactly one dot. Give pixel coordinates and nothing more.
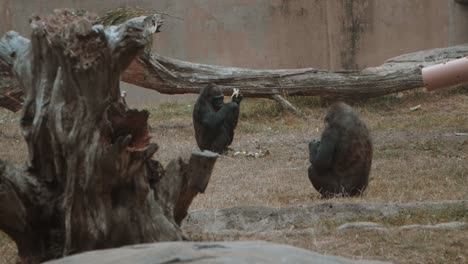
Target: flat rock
(241, 252)
(259, 219)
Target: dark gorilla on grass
(341, 160)
(214, 121)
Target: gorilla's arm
(214, 120)
(325, 149)
(313, 149)
(233, 120)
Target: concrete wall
(329, 34)
(458, 22)
(332, 34)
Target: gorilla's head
(214, 96)
(338, 111)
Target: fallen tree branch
(12, 48)
(170, 76)
(287, 105)
(402, 73)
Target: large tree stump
(90, 182)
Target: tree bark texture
(10, 95)
(10, 89)
(170, 76)
(90, 182)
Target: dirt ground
(419, 156)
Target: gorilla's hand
(313, 147)
(236, 96)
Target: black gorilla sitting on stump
(341, 160)
(213, 120)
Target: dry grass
(417, 158)
(8, 250)
(422, 246)
(12, 145)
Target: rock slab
(240, 252)
(258, 219)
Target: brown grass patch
(8, 251)
(418, 157)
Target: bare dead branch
(402, 73)
(287, 105)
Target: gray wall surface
(328, 34)
(458, 23)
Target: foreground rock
(207, 253)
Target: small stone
(441, 226)
(361, 226)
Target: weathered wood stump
(90, 182)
